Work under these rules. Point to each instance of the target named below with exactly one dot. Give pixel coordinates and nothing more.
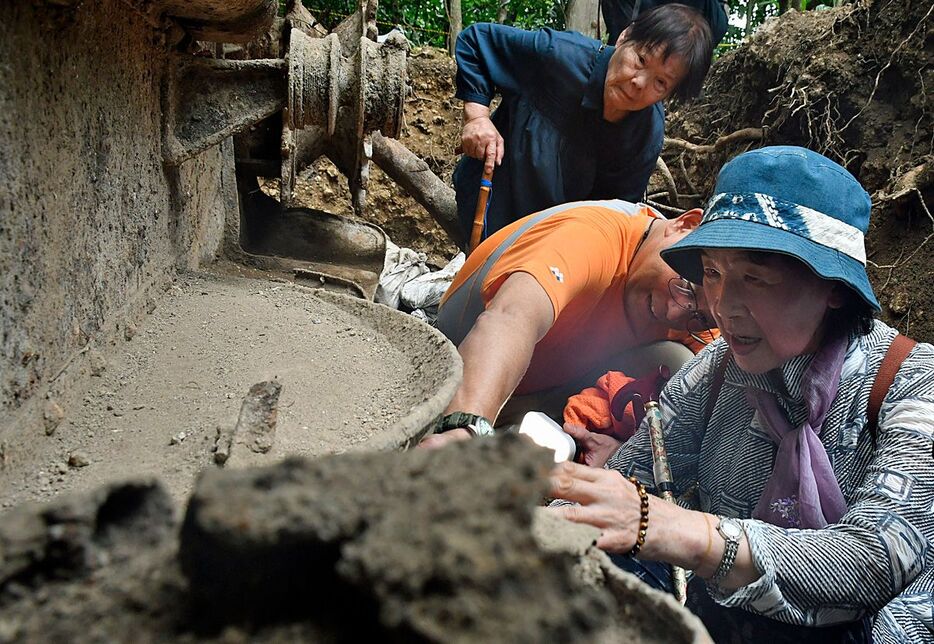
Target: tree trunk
(503, 11)
(456, 22)
(412, 173)
(750, 14)
(582, 16)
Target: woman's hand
(681, 537)
(607, 501)
(480, 139)
(593, 449)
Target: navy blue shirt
(558, 148)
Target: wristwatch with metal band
(732, 531)
(476, 425)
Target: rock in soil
(78, 459)
(222, 443)
(256, 426)
(97, 362)
(52, 416)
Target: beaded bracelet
(643, 516)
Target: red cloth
(591, 408)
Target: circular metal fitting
(367, 89)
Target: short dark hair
(854, 318)
(681, 31)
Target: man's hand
(608, 501)
(593, 449)
(480, 139)
(440, 440)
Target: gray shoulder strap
(460, 311)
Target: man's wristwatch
(732, 531)
(476, 425)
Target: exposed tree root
(901, 261)
(745, 135)
(663, 208)
(662, 167)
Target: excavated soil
(151, 405)
(387, 546)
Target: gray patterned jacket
(877, 558)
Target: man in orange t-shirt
(550, 302)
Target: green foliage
(525, 14)
(760, 10)
(425, 22)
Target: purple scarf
(802, 491)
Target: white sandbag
(402, 265)
(425, 291)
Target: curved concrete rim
(635, 599)
(436, 348)
(625, 585)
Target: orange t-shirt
(581, 259)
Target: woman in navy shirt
(578, 120)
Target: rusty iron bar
(662, 473)
(207, 100)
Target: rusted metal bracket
(333, 99)
(206, 100)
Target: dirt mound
(409, 546)
(431, 129)
(854, 84)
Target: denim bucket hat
(789, 200)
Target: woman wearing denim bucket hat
(808, 497)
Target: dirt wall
(852, 83)
(90, 221)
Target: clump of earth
(399, 546)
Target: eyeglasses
(683, 294)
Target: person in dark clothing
(618, 14)
(578, 120)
